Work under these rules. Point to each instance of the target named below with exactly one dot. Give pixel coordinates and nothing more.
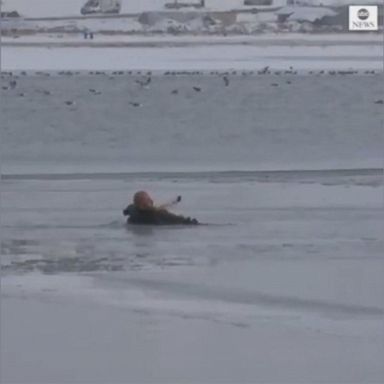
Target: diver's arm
(169, 203)
(128, 211)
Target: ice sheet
(211, 57)
(283, 284)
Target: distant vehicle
(268, 3)
(177, 4)
(101, 6)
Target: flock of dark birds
(9, 79)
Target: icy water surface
(288, 260)
(119, 122)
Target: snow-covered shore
(224, 17)
(286, 40)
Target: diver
(143, 211)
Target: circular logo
(363, 14)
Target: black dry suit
(155, 217)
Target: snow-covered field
(283, 285)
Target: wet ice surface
(284, 270)
(284, 283)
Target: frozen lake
(283, 284)
(193, 53)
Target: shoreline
(119, 39)
(265, 175)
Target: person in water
(143, 211)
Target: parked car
(101, 6)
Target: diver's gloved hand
(127, 211)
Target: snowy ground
(284, 284)
(215, 18)
(288, 40)
(250, 42)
